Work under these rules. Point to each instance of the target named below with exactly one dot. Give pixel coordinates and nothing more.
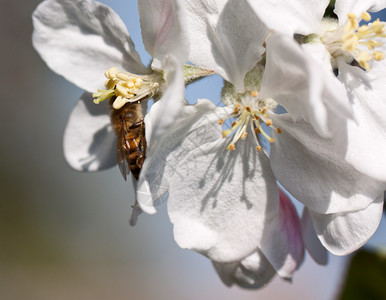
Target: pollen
(258, 148)
(127, 87)
(253, 116)
(370, 35)
(278, 130)
(231, 147)
(366, 16)
(221, 122)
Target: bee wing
(122, 150)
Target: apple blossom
(84, 39)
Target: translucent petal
(343, 233)
(315, 172)
(80, 39)
(291, 17)
(252, 272)
(161, 26)
(230, 35)
(89, 139)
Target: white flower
(341, 46)
(224, 203)
(340, 179)
(81, 39)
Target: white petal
(221, 201)
(302, 86)
(315, 172)
(289, 17)
(344, 233)
(89, 139)
(343, 7)
(366, 135)
(170, 105)
(311, 241)
(252, 272)
(282, 241)
(225, 36)
(161, 27)
(80, 39)
(198, 121)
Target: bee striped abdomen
(131, 139)
(136, 145)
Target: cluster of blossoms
(306, 98)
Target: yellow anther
(119, 102)
(138, 82)
(256, 117)
(378, 55)
(244, 136)
(366, 16)
(110, 73)
(278, 130)
(363, 59)
(110, 83)
(258, 148)
(264, 109)
(221, 122)
(268, 122)
(128, 84)
(372, 44)
(122, 76)
(237, 105)
(248, 109)
(353, 22)
(254, 93)
(231, 147)
(351, 16)
(123, 91)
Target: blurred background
(65, 235)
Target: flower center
(127, 87)
(351, 40)
(250, 111)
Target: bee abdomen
(136, 153)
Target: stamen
(248, 115)
(119, 102)
(377, 55)
(231, 147)
(127, 87)
(364, 35)
(366, 16)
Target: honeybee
(129, 125)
